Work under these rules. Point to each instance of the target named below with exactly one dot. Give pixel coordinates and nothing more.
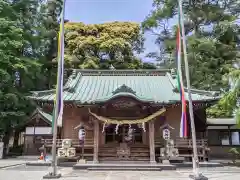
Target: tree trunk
(6, 139)
(16, 138)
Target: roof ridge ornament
(124, 88)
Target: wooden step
(85, 154)
(107, 155)
(139, 155)
(140, 158)
(126, 166)
(108, 152)
(115, 159)
(139, 151)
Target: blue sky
(100, 11)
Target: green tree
(212, 37)
(17, 70)
(229, 104)
(49, 19)
(102, 45)
(212, 42)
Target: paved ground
(22, 172)
(15, 169)
(11, 162)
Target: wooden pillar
(151, 141)
(144, 137)
(229, 135)
(96, 141)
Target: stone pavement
(10, 162)
(219, 173)
(17, 161)
(22, 172)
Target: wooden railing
(187, 143)
(185, 147)
(75, 143)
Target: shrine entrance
(124, 142)
(122, 135)
(127, 136)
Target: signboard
(166, 134)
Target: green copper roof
(94, 86)
(45, 116)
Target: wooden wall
(74, 116)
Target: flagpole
(54, 146)
(54, 173)
(196, 174)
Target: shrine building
(127, 108)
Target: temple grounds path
(22, 172)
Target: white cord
(103, 127)
(143, 127)
(116, 129)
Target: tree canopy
(19, 65)
(213, 40)
(102, 45)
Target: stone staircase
(124, 166)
